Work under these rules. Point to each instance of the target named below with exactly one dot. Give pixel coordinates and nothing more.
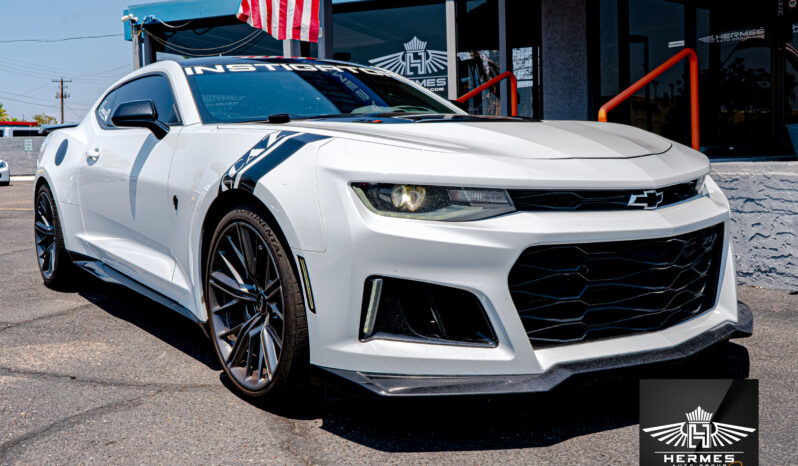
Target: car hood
(519, 139)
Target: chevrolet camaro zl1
(322, 219)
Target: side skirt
(111, 275)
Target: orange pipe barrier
(687, 52)
(513, 90)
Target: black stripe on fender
(303, 270)
(250, 175)
(267, 154)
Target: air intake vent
(583, 292)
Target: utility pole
(61, 96)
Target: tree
(3, 113)
(44, 119)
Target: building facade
(570, 57)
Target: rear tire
(256, 314)
(55, 265)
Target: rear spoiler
(47, 129)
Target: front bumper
(431, 385)
(477, 257)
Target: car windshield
(254, 90)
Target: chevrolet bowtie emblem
(650, 199)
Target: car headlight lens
(2, 164)
(433, 202)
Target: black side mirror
(139, 114)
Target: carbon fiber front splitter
(391, 385)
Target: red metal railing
(687, 52)
(513, 91)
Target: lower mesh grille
(583, 292)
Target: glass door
(788, 46)
(734, 43)
(478, 59)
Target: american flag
(283, 19)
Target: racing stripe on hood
(264, 156)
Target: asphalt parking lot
(99, 375)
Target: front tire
(55, 265)
(256, 314)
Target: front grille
(584, 292)
(568, 200)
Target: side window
(155, 88)
(103, 113)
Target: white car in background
(5, 173)
(323, 215)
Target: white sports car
(5, 173)
(326, 219)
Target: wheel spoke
(239, 345)
(272, 288)
(276, 311)
(49, 258)
(239, 255)
(271, 352)
(239, 280)
(44, 229)
(227, 306)
(273, 335)
(229, 286)
(248, 261)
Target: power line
(36, 100)
(37, 67)
(59, 40)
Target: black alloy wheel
(54, 262)
(255, 309)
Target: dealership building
(570, 57)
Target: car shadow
(582, 405)
(153, 318)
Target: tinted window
(25, 132)
(155, 88)
(253, 91)
(103, 112)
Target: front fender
(284, 183)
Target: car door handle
(93, 155)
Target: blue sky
(26, 68)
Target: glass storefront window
(408, 39)
(789, 32)
(734, 48)
(748, 59)
(633, 41)
(478, 53)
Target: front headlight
(433, 202)
(2, 164)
